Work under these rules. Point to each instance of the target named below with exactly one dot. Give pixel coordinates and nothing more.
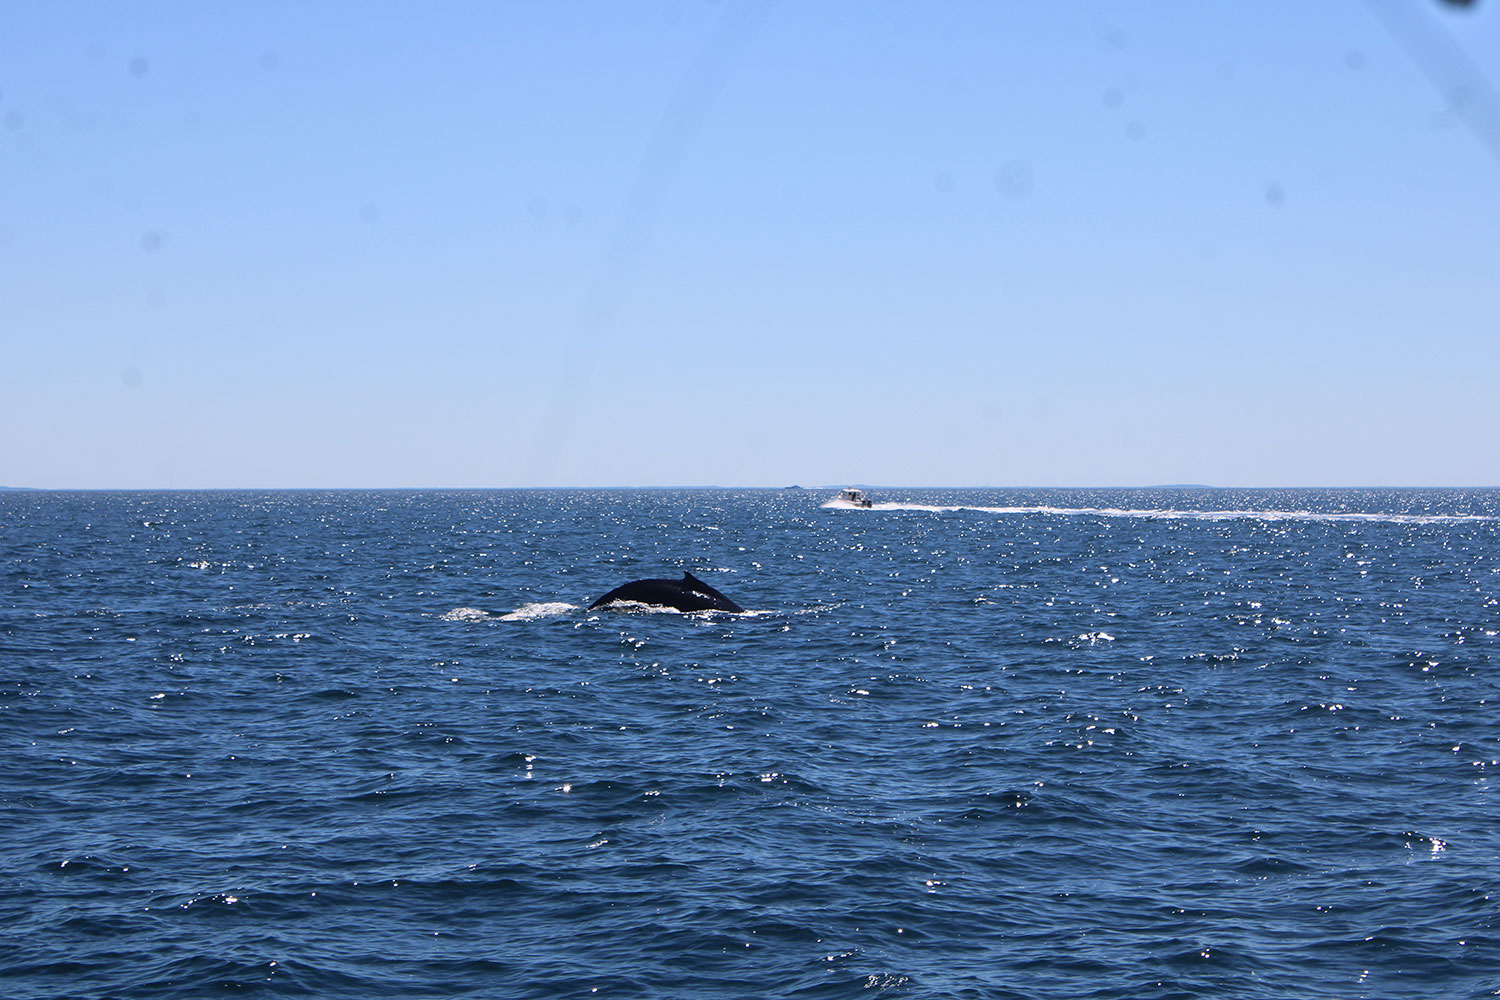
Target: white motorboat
(855, 498)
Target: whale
(687, 594)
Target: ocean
(1163, 743)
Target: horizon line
(718, 487)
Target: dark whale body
(687, 594)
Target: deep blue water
(1100, 744)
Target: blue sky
(725, 243)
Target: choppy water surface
(1107, 744)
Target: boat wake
(1170, 514)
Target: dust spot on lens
(1014, 180)
(540, 212)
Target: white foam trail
(525, 613)
(545, 609)
(641, 608)
(467, 615)
(1166, 514)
